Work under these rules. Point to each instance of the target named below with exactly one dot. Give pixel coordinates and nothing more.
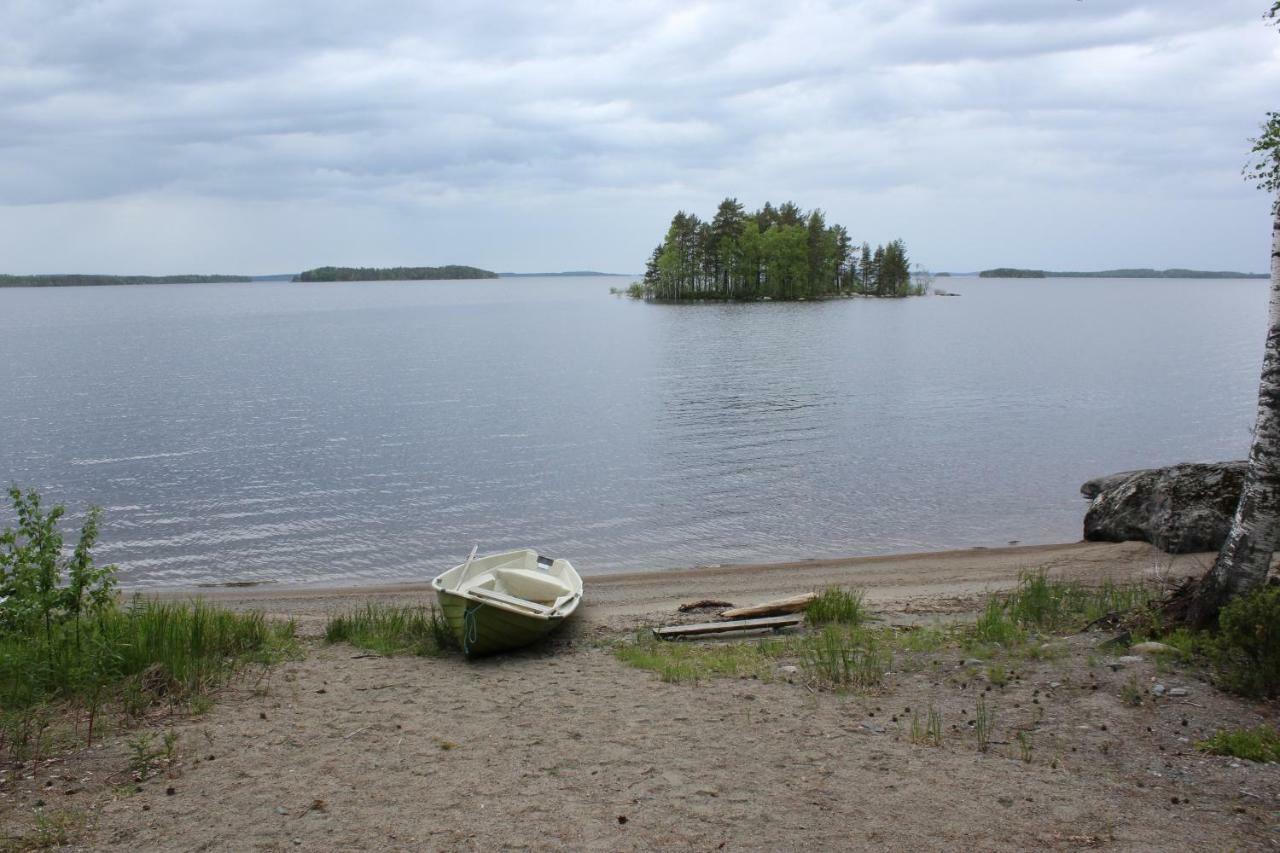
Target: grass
(128, 659)
(927, 732)
(54, 828)
(1257, 744)
(982, 723)
(840, 657)
(677, 662)
(1053, 604)
(390, 630)
(836, 606)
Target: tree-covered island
(780, 253)
(451, 271)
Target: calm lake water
(346, 433)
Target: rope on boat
(470, 629)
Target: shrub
(1248, 645)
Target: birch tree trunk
(1245, 558)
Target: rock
(1178, 691)
(788, 670)
(1125, 660)
(1152, 648)
(281, 810)
(1157, 690)
(1180, 509)
(973, 662)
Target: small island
(780, 253)
(1010, 272)
(451, 271)
(92, 280)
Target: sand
(564, 747)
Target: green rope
(470, 630)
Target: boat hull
(483, 629)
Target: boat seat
(531, 585)
(494, 595)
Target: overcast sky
(262, 136)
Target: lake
(350, 433)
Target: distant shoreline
(1142, 272)
(93, 280)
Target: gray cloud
(956, 125)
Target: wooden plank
(703, 628)
(794, 604)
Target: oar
(470, 557)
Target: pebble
(789, 670)
(1151, 648)
(1178, 691)
(1157, 689)
(972, 662)
(281, 810)
(1125, 660)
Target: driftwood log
(778, 607)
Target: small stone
(1157, 690)
(1125, 660)
(972, 662)
(281, 810)
(1005, 801)
(1054, 685)
(1178, 691)
(788, 670)
(170, 791)
(1151, 647)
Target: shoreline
(903, 586)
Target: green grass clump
(390, 630)
(132, 657)
(843, 657)
(1053, 604)
(836, 606)
(996, 627)
(1256, 744)
(680, 662)
(1248, 644)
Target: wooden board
(775, 623)
(794, 604)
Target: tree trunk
(1245, 558)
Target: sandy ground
(564, 747)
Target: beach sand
(564, 747)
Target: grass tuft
(1256, 744)
(836, 606)
(389, 630)
(842, 657)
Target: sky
(267, 136)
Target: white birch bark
(1245, 558)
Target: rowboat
(506, 600)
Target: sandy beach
(563, 746)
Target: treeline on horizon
(94, 280)
(392, 273)
(777, 253)
(1011, 272)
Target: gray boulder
(1180, 509)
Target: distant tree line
(774, 253)
(95, 280)
(392, 273)
(1010, 272)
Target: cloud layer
(142, 136)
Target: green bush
(1248, 644)
(65, 639)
